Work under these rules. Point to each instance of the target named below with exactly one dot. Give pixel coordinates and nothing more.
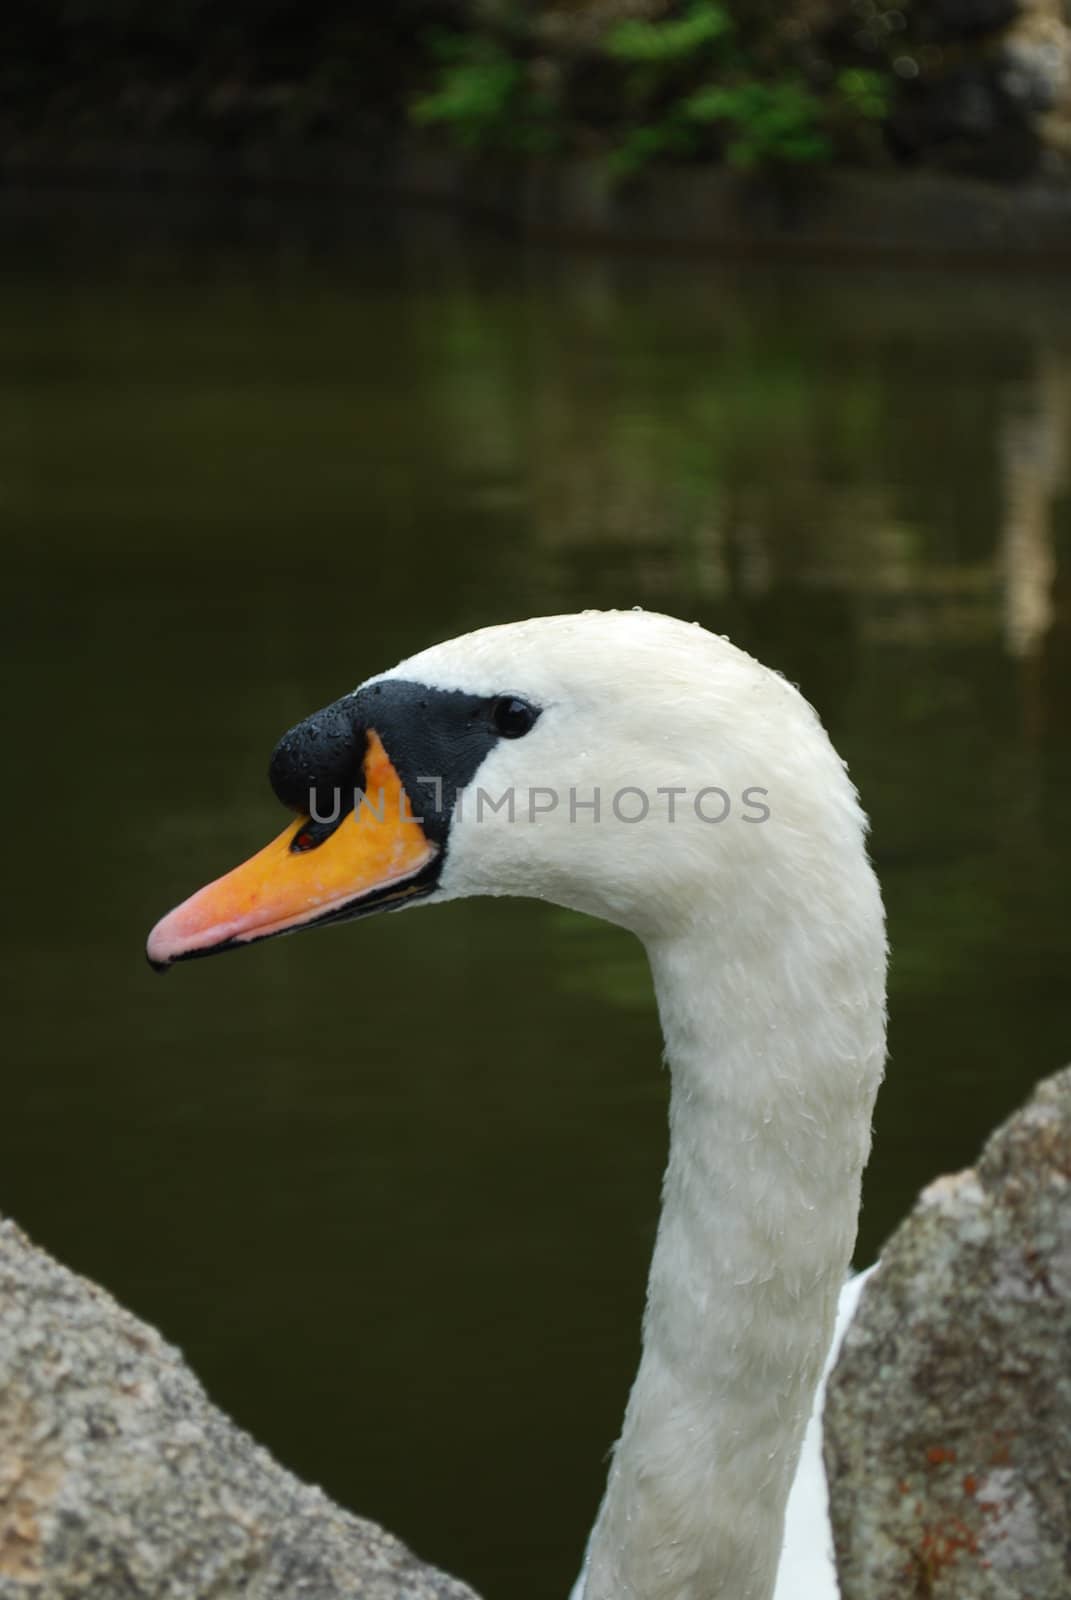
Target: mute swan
(644, 770)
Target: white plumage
(767, 947)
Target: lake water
(393, 1187)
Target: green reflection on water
(393, 1187)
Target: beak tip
(160, 950)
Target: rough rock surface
(948, 1418)
(119, 1480)
(1037, 72)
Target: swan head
(625, 764)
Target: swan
(641, 769)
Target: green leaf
(640, 41)
(771, 122)
(865, 92)
(644, 144)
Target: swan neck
(775, 1060)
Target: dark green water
(393, 1187)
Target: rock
(119, 1478)
(1036, 67)
(949, 1412)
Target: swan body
(617, 734)
(807, 1568)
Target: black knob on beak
(318, 762)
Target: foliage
(770, 122)
(478, 85)
(483, 95)
(648, 141)
(671, 40)
(702, 82)
(865, 92)
(766, 124)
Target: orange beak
(377, 854)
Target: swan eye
(512, 717)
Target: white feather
(766, 943)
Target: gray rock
(948, 1419)
(119, 1480)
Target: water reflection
(1035, 454)
(393, 1187)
